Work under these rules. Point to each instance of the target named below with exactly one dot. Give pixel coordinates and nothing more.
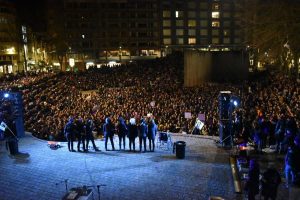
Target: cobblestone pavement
(204, 172)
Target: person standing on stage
(108, 130)
(152, 130)
(143, 131)
(80, 134)
(122, 131)
(69, 132)
(89, 126)
(133, 133)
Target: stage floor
(41, 175)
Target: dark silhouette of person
(132, 133)
(270, 182)
(81, 135)
(89, 126)
(69, 132)
(143, 131)
(108, 130)
(122, 132)
(152, 130)
(252, 184)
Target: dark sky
(32, 13)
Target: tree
(273, 27)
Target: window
(167, 32)
(191, 23)
(203, 15)
(191, 14)
(166, 23)
(215, 32)
(203, 23)
(179, 22)
(226, 24)
(203, 6)
(166, 13)
(179, 14)
(215, 40)
(215, 24)
(226, 40)
(192, 32)
(203, 32)
(179, 32)
(191, 5)
(215, 6)
(226, 32)
(167, 41)
(237, 40)
(179, 41)
(226, 14)
(215, 15)
(192, 40)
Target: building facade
(101, 30)
(9, 36)
(200, 23)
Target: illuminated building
(8, 38)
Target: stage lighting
(6, 95)
(235, 103)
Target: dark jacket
(133, 131)
(143, 130)
(152, 129)
(122, 127)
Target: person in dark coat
(108, 130)
(270, 182)
(132, 133)
(81, 135)
(89, 126)
(143, 131)
(122, 131)
(69, 132)
(279, 133)
(252, 184)
(152, 130)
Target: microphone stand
(98, 188)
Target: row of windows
(202, 5)
(202, 32)
(201, 23)
(193, 40)
(194, 14)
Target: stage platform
(40, 172)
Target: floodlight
(6, 95)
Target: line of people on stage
(82, 130)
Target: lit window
(251, 62)
(166, 13)
(166, 22)
(192, 40)
(215, 15)
(203, 32)
(215, 24)
(179, 32)
(167, 32)
(215, 6)
(179, 41)
(179, 22)
(192, 32)
(167, 41)
(83, 36)
(178, 14)
(215, 40)
(192, 23)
